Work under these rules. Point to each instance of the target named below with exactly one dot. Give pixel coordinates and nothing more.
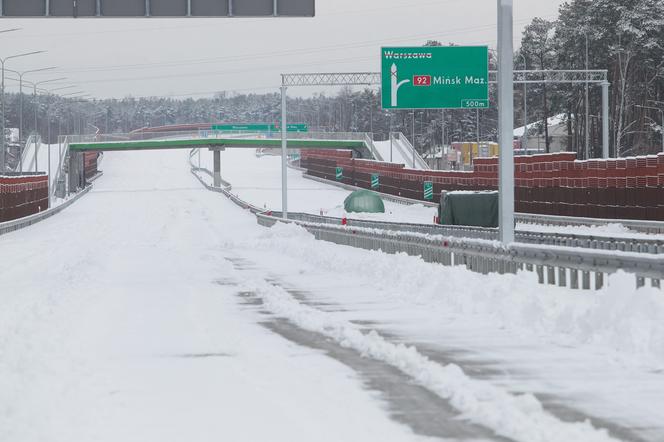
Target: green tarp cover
(364, 201)
(469, 209)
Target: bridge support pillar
(217, 167)
(76, 172)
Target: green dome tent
(364, 201)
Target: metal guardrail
(17, 224)
(649, 246)
(565, 267)
(572, 266)
(32, 139)
(641, 226)
(226, 190)
(368, 140)
(403, 141)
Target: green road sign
(339, 173)
(435, 77)
(259, 127)
(428, 190)
(375, 181)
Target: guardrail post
(574, 278)
(562, 277)
(599, 280)
(540, 274)
(551, 275)
(585, 280)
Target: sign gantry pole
(506, 121)
(284, 151)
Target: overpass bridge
(361, 142)
(216, 141)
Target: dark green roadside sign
(259, 127)
(435, 77)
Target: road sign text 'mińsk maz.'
(435, 77)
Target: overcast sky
(197, 57)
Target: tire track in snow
(519, 417)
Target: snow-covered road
(154, 310)
(115, 324)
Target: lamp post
(662, 114)
(35, 85)
(20, 88)
(2, 106)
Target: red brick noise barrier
(22, 195)
(547, 184)
(90, 164)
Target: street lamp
(20, 80)
(35, 84)
(662, 113)
(2, 106)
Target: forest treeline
(625, 37)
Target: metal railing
(211, 134)
(640, 226)
(32, 139)
(368, 140)
(565, 267)
(570, 266)
(17, 224)
(402, 142)
(594, 242)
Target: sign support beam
(506, 120)
(284, 153)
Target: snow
(258, 180)
(610, 230)
(600, 352)
(129, 326)
(400, 153)
(555, 120)
(122, 328)
(42, 159)
(263, 189)
(520, 417)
